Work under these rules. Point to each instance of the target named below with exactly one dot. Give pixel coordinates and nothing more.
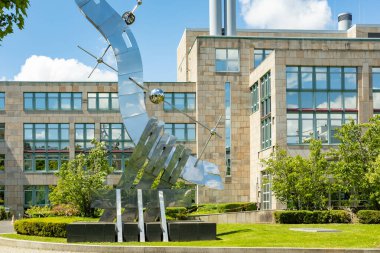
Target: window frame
(112, 98)
(34, 189)
(170, 98)
(266, 111)
(170, 128)
(227, 60)
(47, 96)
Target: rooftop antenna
(98, 60)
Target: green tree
(12, 12)
(301, 183)
(80, 178)
(356, 163)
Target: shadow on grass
(235, 232)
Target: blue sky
(53, 30)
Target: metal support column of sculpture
(155, 153)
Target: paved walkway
(6, 227)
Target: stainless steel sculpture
(155, 154)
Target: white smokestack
(215, 17)
(344, 21)
(230, 18)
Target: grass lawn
(269, 235)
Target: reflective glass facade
(266, 108)
(36, 195)
(183, 132)
(103, 101)
(227, 60)
(260, 55)
(182, 101)
(84, 134)
(227, 102)
(52, 101)
(319, 101)
(376, 89)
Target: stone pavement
(6, 227)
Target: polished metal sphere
(157, 96)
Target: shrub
(176, 213)
(226, 207)
(65, 210)
(46, 227)
(369, 217)
(3, 213)
(39, 211)
(312, 217)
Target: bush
(65, 210)
(312, 217)
(46, 227)
(225, 208)
(39, 211)
(3, 213)
(176, 213)
(369, 217)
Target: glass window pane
(40, 101)
(350, 81)
(322, 127)
(335, 79)
(40, 132)
(190, 101)
(180, 132)
(293, 127)
(103, 101)
(292, 80)
(191, 132)
(221, 54)
(233, 66)
(336, 100)
(221, 66)
(307, 79)
(77, 101)
(292, 100)
(28, 198)
(179, 101)
(307, 100)
(350, 100)
(376, 100)
(40, 163)
(376, 80)
(40, 197)
(321, 101)
(321, 80)
(53, 101)
(115, 102)
(233, 54)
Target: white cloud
(43, 68)
(3, 78)
(286, 14)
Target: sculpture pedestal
(180, 231)
(91, 232)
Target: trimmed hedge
(224, 208)
(46, 227)
(312, 217)
(369, 217)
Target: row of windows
(181, 101)
(44, 162)
(255, 97)
(301, 127)
(183, 132)
(266, 122)
(36, 195)
(321, 100)
(321, 78)
(43, 137)
(103, 101)
(52, 101)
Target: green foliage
(357, 167)
(65, 210)
(12, 12)
(369, 217)
(3, 213)
(80, 178)
(176, 213)
(39, 211)
(312, 217)
(301, 183)
(46, 227)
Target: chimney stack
(230, 19)
(215, 17)
(344, 21)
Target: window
(255, 97)
(266, 199)
(119, 160)
(376, 89)
(228, 127)
(2, 162)
(183, 132)
(2, 195)
(227, 60)
(103, 101)
(84, 134)
(266, 128)
(115, 136)
(182, 101)
(46, 137)
(36, 195)
(52, 101)
(44, 162)
(319, 100)
(260, 55)
(2, 131)
(2, 101)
